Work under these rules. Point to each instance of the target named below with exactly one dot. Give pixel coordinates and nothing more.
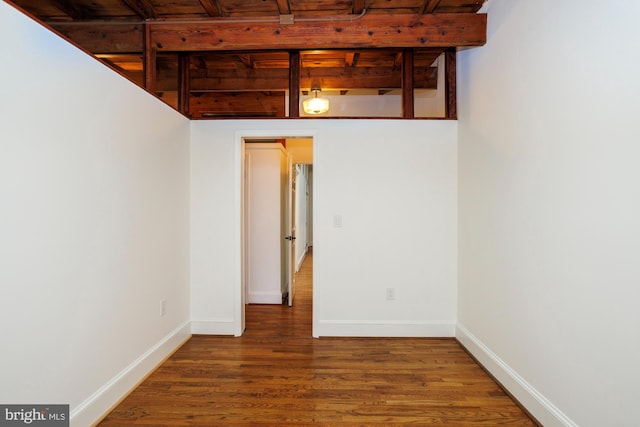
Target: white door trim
(238, 245)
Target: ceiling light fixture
(315, 105)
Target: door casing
(239, 218)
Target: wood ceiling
(226, 58)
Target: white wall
(549, 207)
(393, 183)
(93, 225)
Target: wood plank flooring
(276, 375)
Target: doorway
(293, 234)
(300, 220)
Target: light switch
(337, 221)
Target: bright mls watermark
(34, 415)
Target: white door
(266, 187)
(290, 215)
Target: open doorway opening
(277, 212)
(302, 214)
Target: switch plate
(337, 221)
(163, 307)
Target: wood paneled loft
(213, 59)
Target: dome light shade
(315, 105)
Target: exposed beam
(184, 83)
(439, 30)
(149, 63)
(243, 104)
(283, 7)
(278, 79)
(429, 6)
(246, 60)
(397, 62)
(199, 62)
(212, 7)
(142, 8)
(370, 31)
(362, 78)
(239, 80)
(450, 84)
(104, 38)
(407, 84)
(350, 59)
(294, 83)
(358, 7)
(75, 11)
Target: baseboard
(537, 404)
(300, 261)
(93, 409)
(213, 327)
(377, 328)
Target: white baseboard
(94, 408)
(300, 261)
(377, 328)
(537, 404)
(214, 327)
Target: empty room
(455, 233)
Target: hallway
(277, 374)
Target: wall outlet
(163, 307)
(391, 294)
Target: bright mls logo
(35, 415)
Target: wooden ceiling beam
(284, 7)
(149, 64)
(142, 8)
(104, 38)
(295, 65)
(350, 59)
(408, 85)
(246, 61)
(74, 11)
(450, 85)
(243, 104)
(430, 6)
(358, 7)
(278, 79)
(212, 7)
(184, 83)
(370, 31)
(397, 62)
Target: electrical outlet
(163, 307)
(391, 294)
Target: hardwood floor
(276, 374)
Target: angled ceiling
(223, 56)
